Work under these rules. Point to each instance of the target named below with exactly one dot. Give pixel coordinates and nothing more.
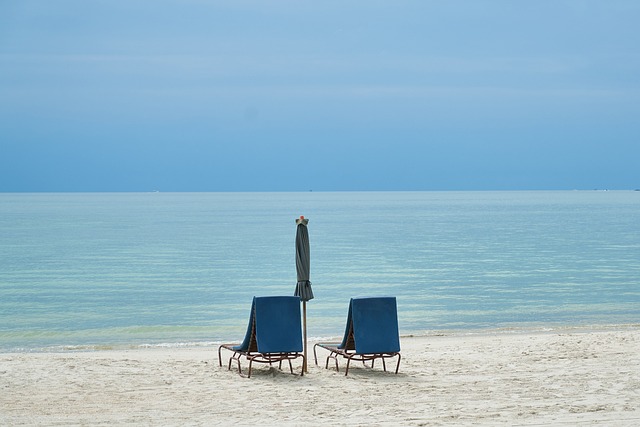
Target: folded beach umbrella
(303, 267)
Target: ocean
(91, 271)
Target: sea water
(113, 270)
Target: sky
(195, 95)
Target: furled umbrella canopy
(303, 260)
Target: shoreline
(508, 330)
(573, 376)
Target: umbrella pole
(304, 327)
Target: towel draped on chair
(274, 333)
(371, 333)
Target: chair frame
(254, 356)
(350, 355)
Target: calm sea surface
(104, 270)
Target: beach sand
(573, 377)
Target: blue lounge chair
(274, 333)
(371, 333)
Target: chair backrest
(375, 325)
(278, 328)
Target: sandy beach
(573, 377)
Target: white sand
(570, 378)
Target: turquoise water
(102, 270)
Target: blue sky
(196, 95)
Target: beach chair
(371, 333)
(274, 333)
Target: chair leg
(236, 356)
(346, 372)
(333, 356)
